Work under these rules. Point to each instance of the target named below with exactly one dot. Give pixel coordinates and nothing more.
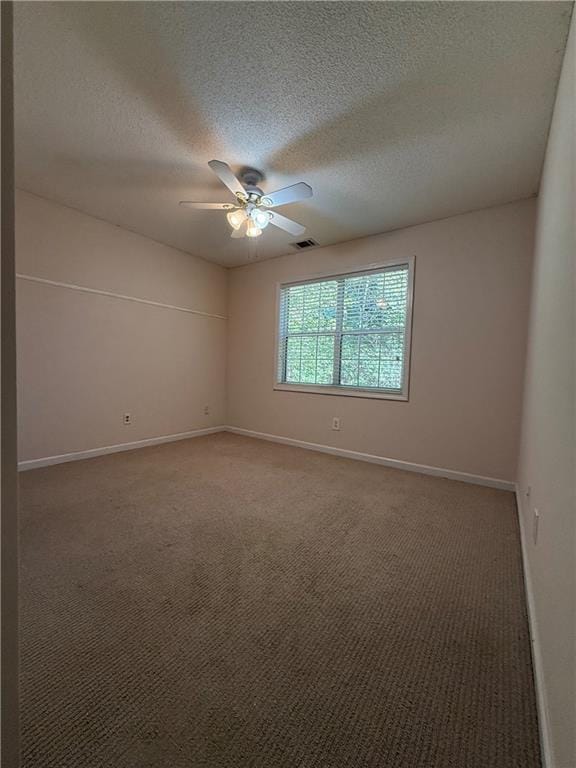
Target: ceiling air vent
(304, 244)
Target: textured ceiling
(395, 113)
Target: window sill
(342, 392)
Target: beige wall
(468, 344)
(84, 359)
(548, 460)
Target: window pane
(368, 373)
(375, 301)
(350, 347)
(308, 370)
(324, 371)
(370, 346)
(292, 306)
(392, 346)
(326, 347)
(390, 375)
(349, 373)
(395, 297)
(353, 300)
(328, 302)
(310, 308)
(372, 360)
(309, 344)
(391, 361)
(309, 359)
(293, 346)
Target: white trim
(537, 665)
(342, 391)
(393, 261)
(407, 466)
(99, 292)
(93, 452)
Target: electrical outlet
(336, 423)
(206, 410)
(127, 418)
(535, 525)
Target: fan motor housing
(251, 178)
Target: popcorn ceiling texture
(396, 113)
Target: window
(347, 334)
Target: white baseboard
(92, 452)
(541, 699)
(451, 474)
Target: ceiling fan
(251, 213)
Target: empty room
(292, 291)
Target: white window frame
(342, 390)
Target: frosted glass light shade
(236, 218)
(253, 230)
(260, 218)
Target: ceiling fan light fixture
(236, 218)
(248, 217)
(260, 218)
(253, 230)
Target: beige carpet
(225, 602)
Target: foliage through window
(347, 331)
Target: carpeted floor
(229, 603)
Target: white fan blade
(224, 173)
(287, 195)
(240, 232)
(207, 206)
(283, 223)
